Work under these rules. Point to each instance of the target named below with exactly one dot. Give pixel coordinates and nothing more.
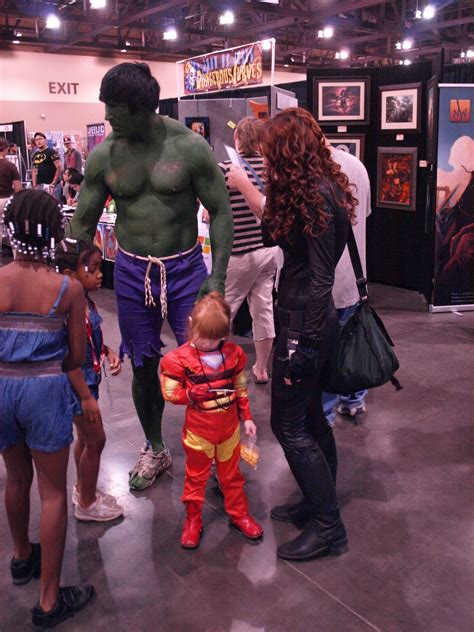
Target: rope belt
(159, 261)
(30, 369)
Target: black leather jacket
(307, 277)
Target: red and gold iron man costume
(211, 428)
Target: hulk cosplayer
(155, 169)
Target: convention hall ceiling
(371, 31)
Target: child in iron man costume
(207, 375)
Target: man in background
(10, 181)
(47, 167)
(72, 156)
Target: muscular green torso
(156, 179)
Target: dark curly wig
(299, 165)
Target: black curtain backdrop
(395, 238)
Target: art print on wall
(351, 143)
(200, 125)
(342, 100)
(400, 108)
(396, 177)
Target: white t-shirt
(345, 291)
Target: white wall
(38, 88)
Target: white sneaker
(108, 498)
(100, 511)
(351, 411)
(148, 467)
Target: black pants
(299, 424)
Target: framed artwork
(396, 177)
(400, 108)
(352, 143)
(432, 119)
(200, 125)
(344, 100)
(99, 238)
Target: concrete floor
(405, 489)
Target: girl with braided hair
(81, 260)
(42, 336)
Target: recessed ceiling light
(15, 41)
(407, 44)
(406, 62)
(344, 54)
(328, 32)
(267, 44)
(98, 4)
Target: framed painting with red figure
(396, 177)
(344, 100)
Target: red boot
(192, 528)
(248, 527)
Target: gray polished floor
(405, 488)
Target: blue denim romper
(34, 391)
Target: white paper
(233, 156)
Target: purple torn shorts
(140, 326)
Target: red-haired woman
(308, 211)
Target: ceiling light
(407, 44)
(98, 4)
(406, 62)
(344, 54)
(470, 53)
(328, 32)
(398, 45)
(267, 44)
(170, 34)
(127, 43)
(286, 65)
(418, 14)
(52, 21)
(16, 41)
(429, 12)
(226, 18)
(123, 50)
(18, 33)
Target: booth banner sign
(95, 135)
(223, 70)
(454, 230)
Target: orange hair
(210, 318)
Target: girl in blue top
(42, 336)
(82, 260)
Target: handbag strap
(258, 179)
(357, 266)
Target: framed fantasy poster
(351, 143)
(400, 108)
(396, 177)
(344, 100)
(99, 238)
(200, 125)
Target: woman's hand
(236, 177)
(302, 362)
(250, 428)
(91, 410)
(114, 361)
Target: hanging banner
(95, 135)
(454, 230)
(221, 70)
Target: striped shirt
(247, 229)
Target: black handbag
(365, 357)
